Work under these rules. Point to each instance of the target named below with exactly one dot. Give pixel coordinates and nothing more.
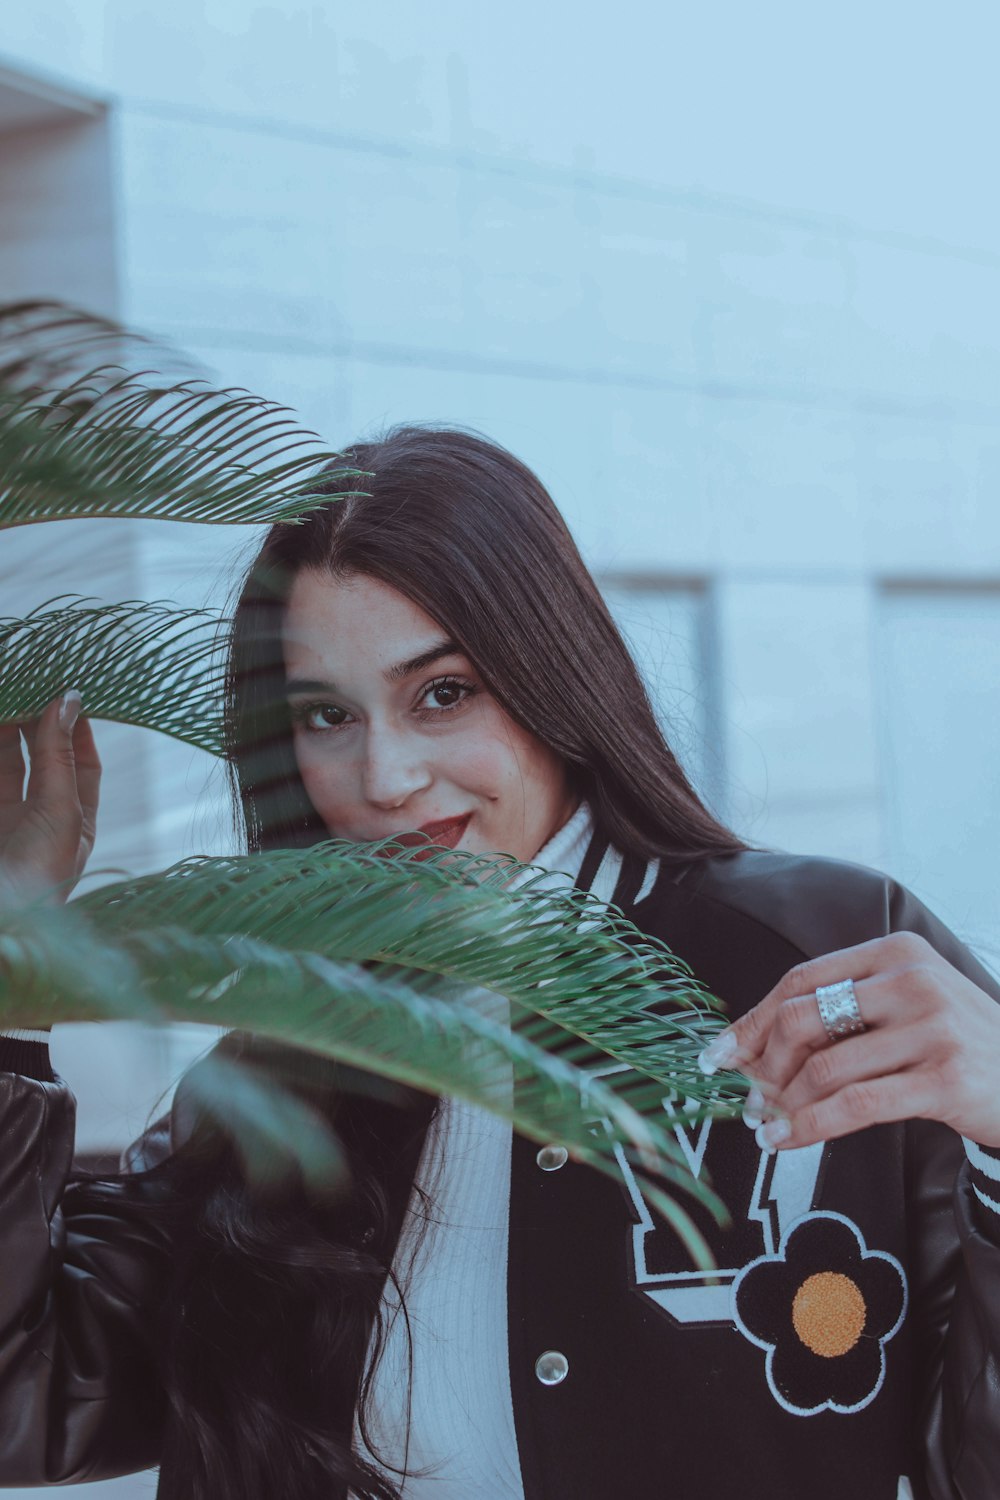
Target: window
(669, 629)
(939, 671)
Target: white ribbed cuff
(25, 1034)
(984, 1164)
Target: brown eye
(318, 716)
(448, 693)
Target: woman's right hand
(47, 828)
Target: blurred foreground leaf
(432, 972)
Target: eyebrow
(395, 673)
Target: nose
(394, 769)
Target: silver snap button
(551, 1158)
(551, 1367)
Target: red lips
(444, 834)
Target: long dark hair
(270, 1327)
(468, 533)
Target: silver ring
(838, 1010)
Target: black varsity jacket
(659, 1381)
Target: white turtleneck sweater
(454, 1273)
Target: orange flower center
(828, 1313)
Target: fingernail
(720, 1051)
(69, 709)
(772, 1134)
(753, 1109)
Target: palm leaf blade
(342, 1011)
(117, 445)
(448, 915)
(44, 342)
(150, 664)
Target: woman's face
(395, 730)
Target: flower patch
(823, 1308)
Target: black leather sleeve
(955, 1276)
(79, 1271)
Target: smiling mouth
(445, 834)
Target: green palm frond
(60, 965)
(583, 976)
(118, 444)
(45, 343)
(151, 664)
(88, 428)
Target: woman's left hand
(931, 1048)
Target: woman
(434, 656)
